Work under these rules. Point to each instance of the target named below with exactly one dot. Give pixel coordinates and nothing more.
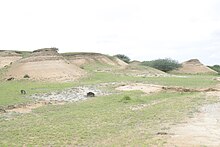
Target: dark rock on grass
(90, 94)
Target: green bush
(123, 57)
(26, 76)
(215, 68)
(165, 65)
(125, 99)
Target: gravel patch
(70, 94)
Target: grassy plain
(101, 121)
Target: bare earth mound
(91, 58)
(194, 66)
(45, 64)
(146, 88)
(8, 57)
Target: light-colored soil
(202, 130)
(46, 65)
(80, 59)
(194, 66)
(49, 70)
(8, 57)
(10, 113)
(146, 88)
(4, 61)
(27, 108)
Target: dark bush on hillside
(215, 68)
(165, 65)
(26, 76)
(123, 57)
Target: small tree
(165, 65)
(123, 57)
(216, 68)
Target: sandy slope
(194, 66)
(45, 65)
(8, 57)
(89, 58)
(56, 70)
(7, 60)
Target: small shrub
(26, 76)
(125, 99)
(123, 57)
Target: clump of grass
(125, 99)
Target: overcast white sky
(141, 29)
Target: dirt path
(202, 130)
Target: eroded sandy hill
(80, 59)
(194, 66)
(45, 64)
(8, 57)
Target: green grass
(10, 90)
(100, 121)
(190, 81)
(24, 54)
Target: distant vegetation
(123, 57)
(216, 68)
(165, 65)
